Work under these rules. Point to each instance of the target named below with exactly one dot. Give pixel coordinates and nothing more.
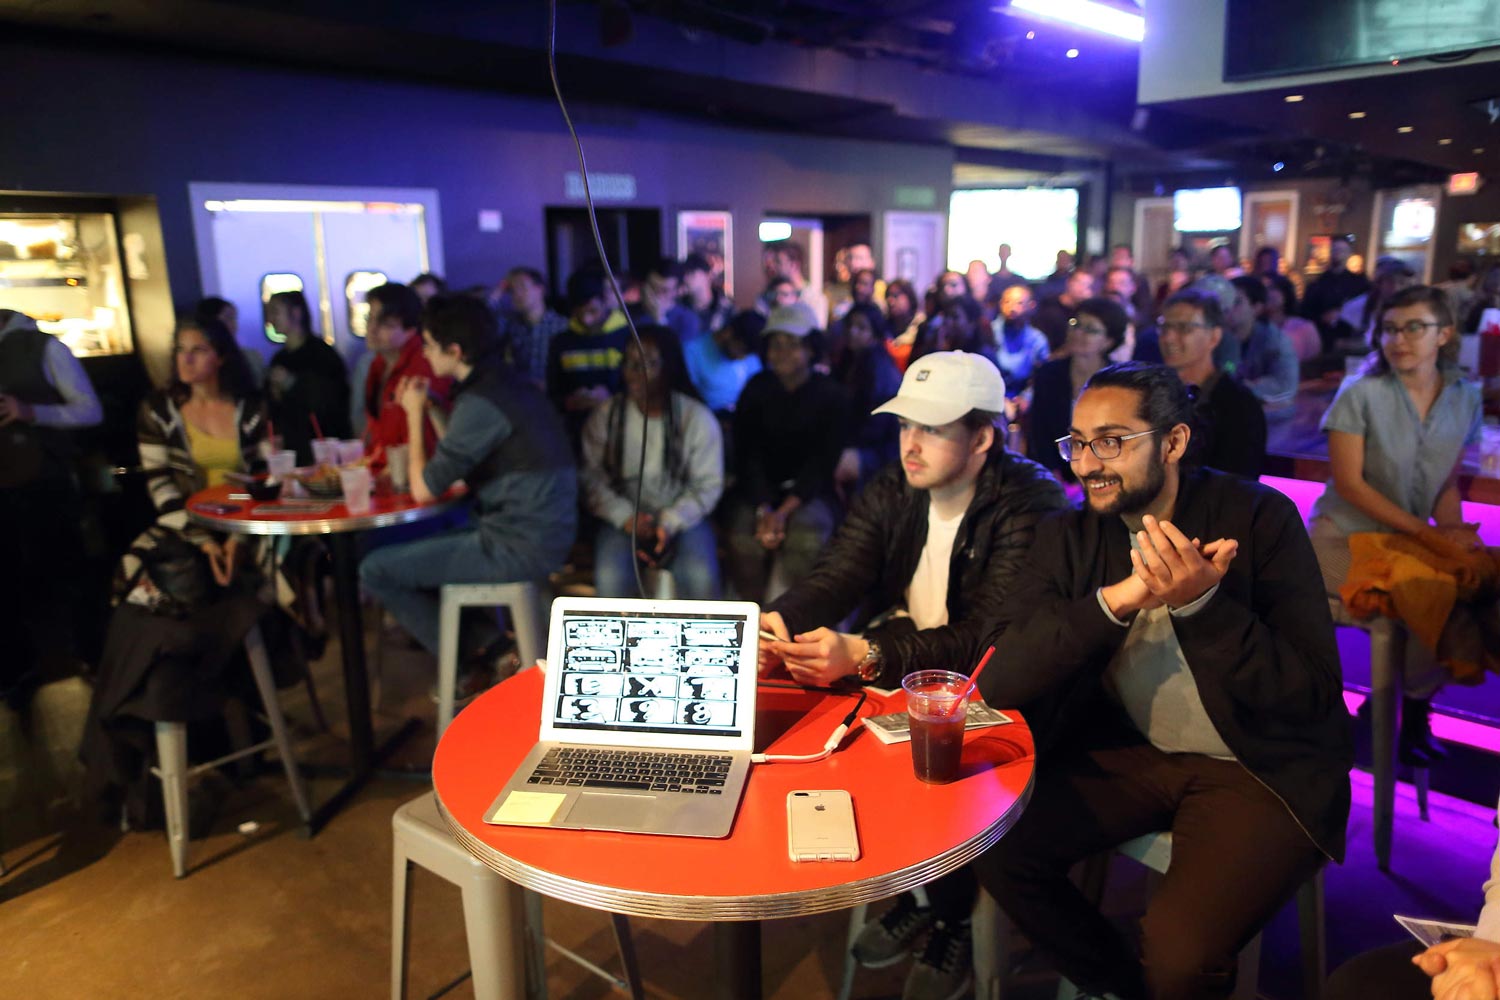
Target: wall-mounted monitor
(1206, 210)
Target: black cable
(588, 197)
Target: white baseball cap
(940, 388)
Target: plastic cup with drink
(1489, 451)
(357, 486)
(937, 704)
(325, 451)
(280, 464)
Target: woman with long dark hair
(868, 374)
(683, 475)
(903, 319)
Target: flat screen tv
(1206, 210)
(1281, 37)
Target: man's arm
(1045, 635)
(906, 648)
(80, 406)
(1275, 655)
(475, 427)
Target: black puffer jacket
(870, 563)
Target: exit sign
(1463, 183)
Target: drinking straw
(317, 428)
(974, 678)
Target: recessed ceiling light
(1293, 98)
(1478, 150)
(1445, 142)
(1030, 36)
(1072, 53)
(1403, 129)
(1356, 114)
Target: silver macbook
(648, 719)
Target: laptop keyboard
(645, 770)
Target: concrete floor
(91, 912)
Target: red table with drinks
(909, 832)
(223, 508)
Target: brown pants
(1237, 856)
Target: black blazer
(1261, 650)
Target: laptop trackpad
(612, 811)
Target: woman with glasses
(684, 474)
(1099, 328)
(1396, 436)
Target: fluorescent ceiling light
(1293, 98)
(1356, 114)
(1087, 14)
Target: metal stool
(1387, 661)
(420, 836)
(172, 766)
(528, 611)
(1154, 850)
(990, 947)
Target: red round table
(909, 832)
(211, 508)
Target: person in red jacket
(394, 333)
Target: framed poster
(711, 234)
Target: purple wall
(93, 120)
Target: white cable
(828, 748)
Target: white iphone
(820, 826)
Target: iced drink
(356, 482)
(937, 717)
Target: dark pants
(1383, 974)
(1237, 856)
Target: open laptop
(648, 719)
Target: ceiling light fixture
(1403, 129)
(1356, 114)
(1478, 150)
(1030, 36)
(1445, 142)
(1293, 98)
(1088, 14)
(1071, 53)
(1278, 166)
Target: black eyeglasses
(1408, 331)
(1104, 448)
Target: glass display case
(64, 270)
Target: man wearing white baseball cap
(924, 561)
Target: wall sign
(605, 187)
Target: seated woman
(869, 376)
(904, 320)
(1396, 436)
(182, 615)
(1100, 327)
(683, 474)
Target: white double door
(332, 243)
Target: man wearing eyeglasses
(924, 561)
(1229, 424)
(1172, 646)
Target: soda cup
(937, 711)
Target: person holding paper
(1465, 968)
(924, 560)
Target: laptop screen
(670, 668)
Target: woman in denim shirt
(1396, 436)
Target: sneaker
(945, 969)
(888, 938)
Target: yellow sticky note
(526, 807)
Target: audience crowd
(876, 464)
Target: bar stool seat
(172, 756)
(528, 611)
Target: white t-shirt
(927, 594)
